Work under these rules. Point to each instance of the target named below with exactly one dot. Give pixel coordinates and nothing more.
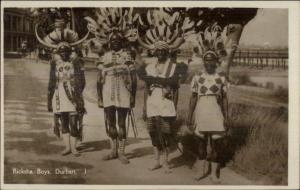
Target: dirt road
(30, 145)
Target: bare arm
(192, 105)
(225, 105)
(133, 77)
(51, 85)
(99, 89)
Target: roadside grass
(261, 153)
(242, 79)
(281, 94)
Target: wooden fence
(261, 58)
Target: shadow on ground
(40, 143)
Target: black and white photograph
(191, 95)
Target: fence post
(257, 59)
(244, 58)
(249, 58)
(239, 56)
(273, 62)
(267, 60)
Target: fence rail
(261, 58)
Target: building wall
(18, 27)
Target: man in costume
(209, 105)
(162, 80)
(66, 82)
(117, 82)
(218, 33)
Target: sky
(269, 27)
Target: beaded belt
(208, 95)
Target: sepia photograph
(190, 95)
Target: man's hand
(100, 103)
(50, 108)
(132, 102)
(144, 116)
(56, 131)
(166, 92)
(189, 121)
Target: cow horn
(80, 41)
(42, 41)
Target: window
(7, 43)
(18, 23)
(31, 28)
(27, 25)
(14, 42)
(14, 23)
(7, 22)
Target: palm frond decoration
(111, 19)
(165, 31)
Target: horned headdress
(110, 20)
(60, 35)
(164, 32)
(58, 38)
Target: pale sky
(270, 26)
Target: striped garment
(116, 91)
(157, 103)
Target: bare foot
(215, 179)
(65, 152)
(200, 176)
(167, 168)
(110, 156)
(155, 167)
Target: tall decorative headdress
(56, 39)
(164, 32)
(212, 40)
(218, 29)
(110, 20)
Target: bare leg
(74, 133)
(214, 177)
(110, 113)
(56, 125)
(65, 133)
(151, 124)
(166, 165)
(202, 169)
(157, 164)
(122, 114)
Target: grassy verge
(261, 151)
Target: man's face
(162, 54)
(116, 42)
(210, 66)
(65, 53)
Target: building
(18, 27)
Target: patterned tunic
(208, 113)
(66, 84)
(157, 103)
(63, 99)
(117, 81)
